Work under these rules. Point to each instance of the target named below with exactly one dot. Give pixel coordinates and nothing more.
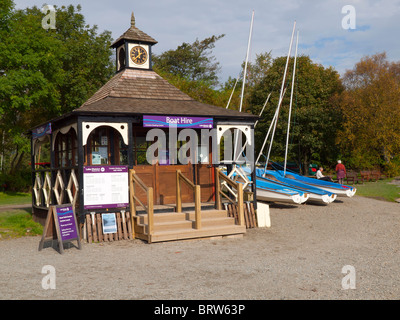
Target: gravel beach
(300, 256)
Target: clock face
(139, 55)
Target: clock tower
(133, 49)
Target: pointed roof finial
(132, 20)
(133, 34)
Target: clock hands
(139, 55)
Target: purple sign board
(105, 187)
(178, 121)
(66, 222)
(41, 131)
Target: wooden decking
(169, 226)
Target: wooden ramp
(181, 225)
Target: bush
(3, 185)
(19, 182)
(393, 167)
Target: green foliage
(256, 72)
(191, 62)
(45, 73)
(371, 113)
(6, 9)
(20, 180)
(314, 120)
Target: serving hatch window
(106, 147)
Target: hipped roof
(134, 91)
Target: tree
(314, 120)
(191, 62)
(256, 71)
(6, 9)
(46, 73)
(371, 114)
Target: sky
(329, 32)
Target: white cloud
(322, 37)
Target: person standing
(340, 171)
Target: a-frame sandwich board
(61, 224)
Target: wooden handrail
(134, 179)
(218, 193)
(197, 202)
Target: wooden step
(163, 208)
(185, 224)
(176, 226)
(204, 232)
(179, 216)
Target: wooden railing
(197, 204)
(133, 181)
(55, 187)
(219, 193)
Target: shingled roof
(134, 91)
(134, 34)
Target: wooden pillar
(253, 173)
(240, 204)
(197, 206)
(150, 205)
(178, 193)
(81, 159)
(131, 156)
(217, 190)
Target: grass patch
(18, 223)
(382, 189)
(9, 198)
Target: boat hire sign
(105, 187)
(41, 131)
(177, 121)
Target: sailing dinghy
(316, 195)
(268, 191)
(340, 189)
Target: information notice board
(105, 187)
(60, 224)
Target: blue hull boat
(340, 189)
(272, 192)
(317, 195)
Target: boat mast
(281, 96)
(279, 103)
(290, 106)
(247, 59)
(244, 80)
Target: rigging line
(274, 119)
(280, 98)
(290, 105)
(296, 103)
(255, 124)
(234, 87)
(262, 110)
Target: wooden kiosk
(95, 147)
